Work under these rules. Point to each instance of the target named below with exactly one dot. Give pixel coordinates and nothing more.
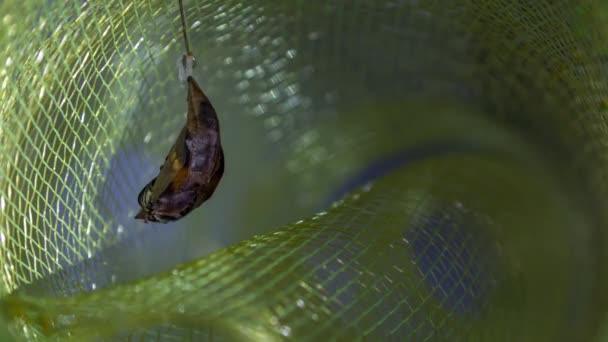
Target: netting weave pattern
(404, 170)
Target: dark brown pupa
(192, 169)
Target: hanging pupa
(195, 164)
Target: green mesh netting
(402, 170)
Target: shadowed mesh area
(402, 170)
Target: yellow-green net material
(401, 170)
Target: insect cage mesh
(407, 170)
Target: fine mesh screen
(408, 170)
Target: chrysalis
(195, 164)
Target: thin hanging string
(186, 42)
(186, 63)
